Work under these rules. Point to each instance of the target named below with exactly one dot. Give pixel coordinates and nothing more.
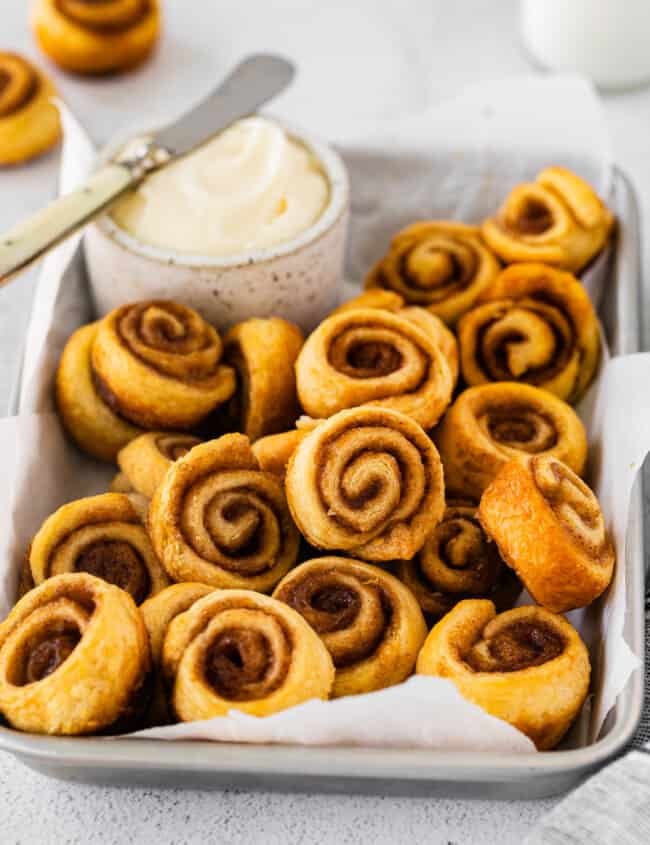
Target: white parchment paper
(456, 161)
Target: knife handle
(29, 240)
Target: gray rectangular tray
(395, 771)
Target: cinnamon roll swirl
(370, 356)
(437, 264)
(146, 459)
(534, 324)
(367, 481)
(386, 300)
(219, 520)
(370, 623)
(92, 424)
(263, 354)
(158, 612)
(458, 562)
(96, 36)
(74, 658)
(103, 536)
(490, 424)
(558, 219)
(158, 364)
(549, 528)
(237, 649)
(29, 121)
(526, 666)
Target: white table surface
(359, 54)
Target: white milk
(606, 40)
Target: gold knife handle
(32, 238)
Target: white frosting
(251, 187)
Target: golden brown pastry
(558, 219)
(526, 666)
(370, 356)
(219, 520)
(96, 428)
(371, 624)
(534, 324)
(263, 354)
(490, 424)
(458, 562)
(368, 481)
(273, 451)
(158, 364)
(29, 121)
(102, 535)
(74, 658)
(386, 300)
(144, 461)
(549, 528)
(237, 649)
(437, 264)
(157, 613)
(96, 36)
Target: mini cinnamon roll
(101, 535)
(370, 356)
(263, 354)
(158, 364)
(368, 481)
(237, 649)
(158, 612)
(29, 121)
(458, 562)
(534, 324)
(96, 428)
(549, 528)
(370, 623)
(386, 300)
(219, 520)
(273, 451)
(96, 36)
(145, 460)
(526, 666)
(490, 424)
(74, 658)
(437, 264)
(558, 219)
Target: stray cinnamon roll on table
(457, 562)
(370, 623)
(218, 519)
(237, 649)
(101, 535)
(372, 356)
(533, 324)
(86, 36)
(549, 528)
(438, 264)
(527, 666)
(29, 121)
(558, 219)
(74, 658)
(367, 481)
(490, 424)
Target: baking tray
(462, 774)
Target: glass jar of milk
(606, 40)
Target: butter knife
(250, 85)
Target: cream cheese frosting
(251, 187)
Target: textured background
(387, 60)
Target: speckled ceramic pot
(299, 280)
